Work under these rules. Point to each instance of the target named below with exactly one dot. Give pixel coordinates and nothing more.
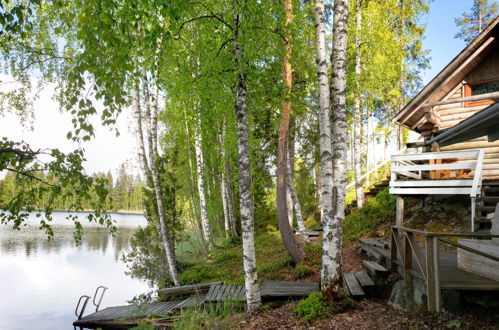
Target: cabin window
(481, 88)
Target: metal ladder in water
(85, 299)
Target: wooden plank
(430, 191)
(435, 155)
(288, 289)
(429, 167)
(374, 242)
(432, 183)
(364, 279)
(353, 285)
(187, 289)
(374, 266)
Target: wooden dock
(128, 315)
(197, 295)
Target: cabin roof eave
(411, 108)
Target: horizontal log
(460, 109)
(481, 97)
(471, 145)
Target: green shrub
(313, 307)
(316, 305)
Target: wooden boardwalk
(127, 316)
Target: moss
(301, 271)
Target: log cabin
(457, 114)
(459, 94)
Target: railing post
(432, 274)
(407, 260)
(393, 251)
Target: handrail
(79, 315)
(477, 179)
(467, 248)
(101, 296)
(434, 234)
(383, 163)
(428, 262)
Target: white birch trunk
(325, 144)
(201, 187)
(338, 86)
(359, 190)
(296, 204)
(224, 193)
(139, 134)
(253, 298)
(153, 172)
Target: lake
(41, 281)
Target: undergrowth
(217, 316)
(317, 305)
(377, 210)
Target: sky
(106, 151)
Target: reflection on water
(41, 280)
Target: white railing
(438, 173)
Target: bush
(317, 305)
(313, 307)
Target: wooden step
(488, 199)
(378, 242)
(364, 279)
(353, 285)
(374, 267)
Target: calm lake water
(41, 281)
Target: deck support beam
(399, 211)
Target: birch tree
(327, 270)
(359, 190)
(201, 186)
(333, 239)
(253, 298)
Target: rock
(403, 297)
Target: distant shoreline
(134, 212)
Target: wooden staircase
(362, 283)
(373, 191)
(486, 204)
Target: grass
(217, 316)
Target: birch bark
(325, 143)
(152, 172)
(357, 109)
(201, 187)
(338, 84)
(253, 298)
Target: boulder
(403, 297)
